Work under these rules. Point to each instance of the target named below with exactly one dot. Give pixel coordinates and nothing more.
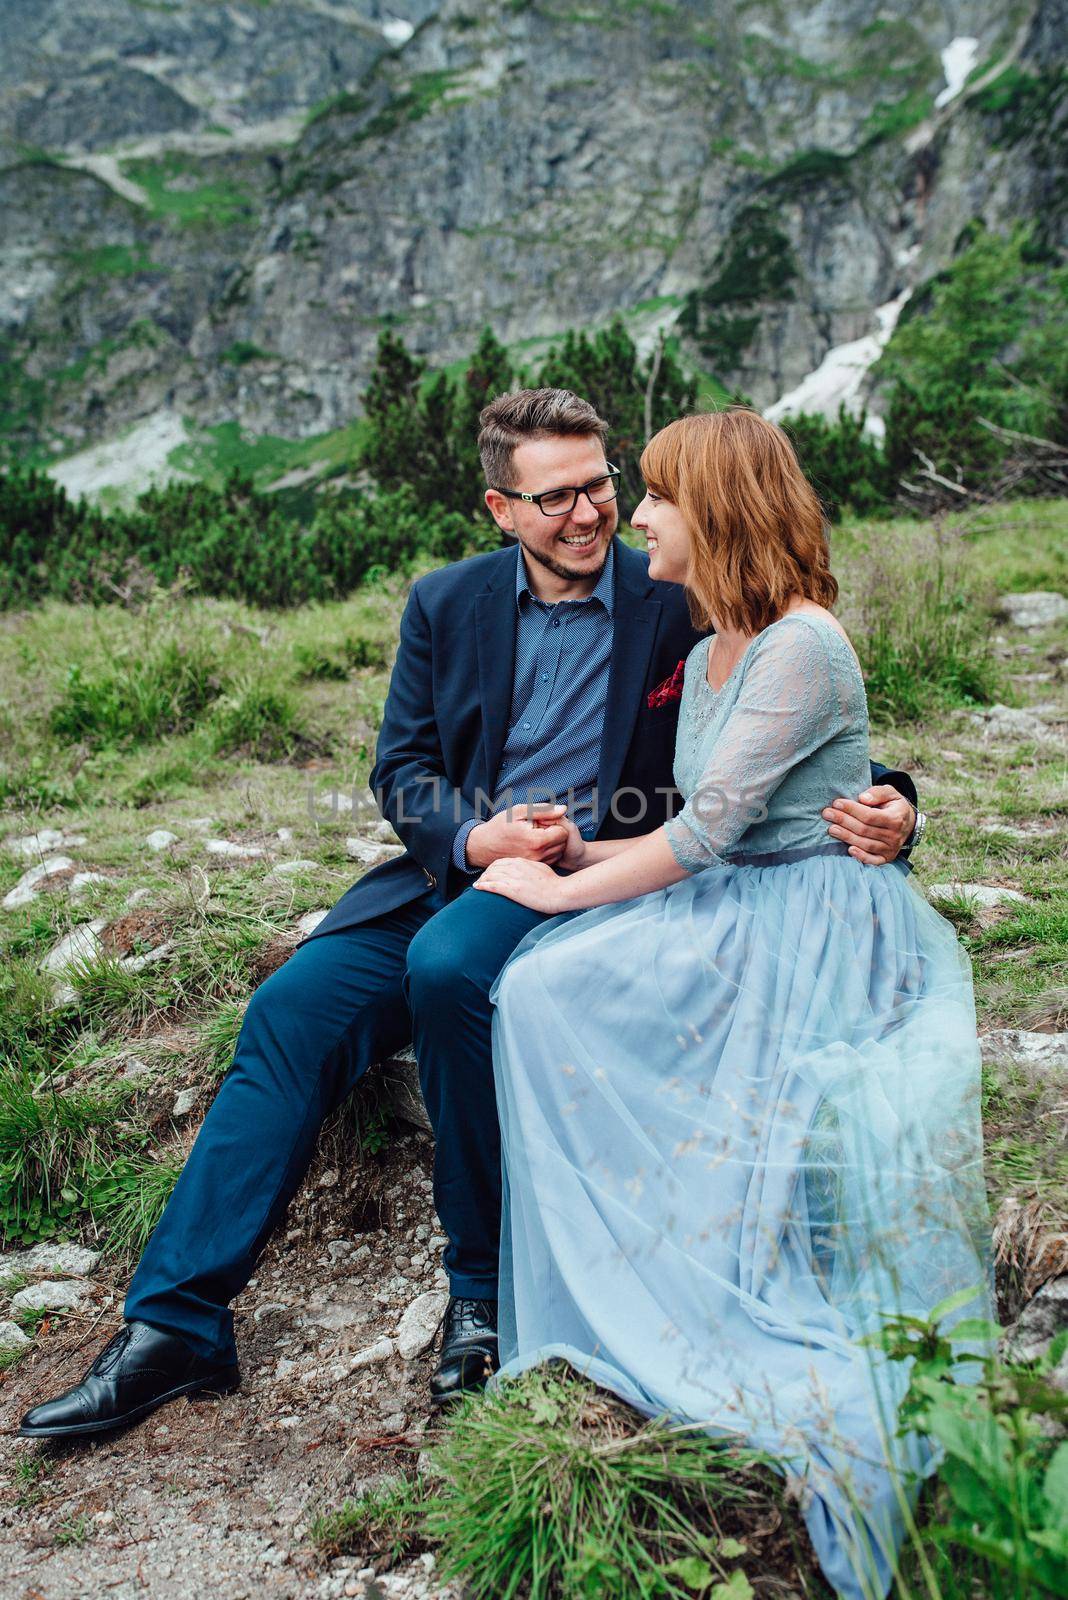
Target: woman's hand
(531, 883)
(574, 852)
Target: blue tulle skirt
(740, 1122)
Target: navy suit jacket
(446, 720)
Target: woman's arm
(638, 867)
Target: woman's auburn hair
(757, 530)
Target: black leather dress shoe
(468, 1349)
(139, 1369)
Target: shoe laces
(469, 1316)
(112, 1351)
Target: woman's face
(667, 537)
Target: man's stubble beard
(557, 567)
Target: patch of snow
(840, 375)
(397, 31)
(958, 59)
(135, 460)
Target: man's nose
(585, 510)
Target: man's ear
(500, 509)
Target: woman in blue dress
(738, 1075)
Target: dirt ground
(215, 1495)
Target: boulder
(1010, 722)
(1036, 609)
(161, 839)
(12, 1336)
(1039, 1323)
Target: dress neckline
(805, 616)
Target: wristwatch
(918, 831)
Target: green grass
(171, 183)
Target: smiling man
(533, 674)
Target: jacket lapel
(495, 625)
(636, 614)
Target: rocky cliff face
(212, 209)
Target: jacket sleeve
(408, 776)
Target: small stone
(952, 755)
(28, 885)
(32, 846)
(289, 869)
(200, 824)
(160, 839)
(285, 1367)
(230, 847)
(134, 1067)
(80, 947)
(329, 1179)
(394, 1422)
(1035, 609)
(371, 852)
(268, 1309)
(980, 894)
(352, 1587)
(137, 897)
(81, 881)
(73, 1259)
(419, 1324)
(12, 1336)
(138, 963)
(52, 1295)
(372, 1354)
(340, 1249)
(185, 1102)
(310, 921)
(285, 835)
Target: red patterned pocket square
(669, 690)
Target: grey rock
(982, 895)
(1009, 722)
(232, 847)
(289, 869)
(1039, 1323)
(372, 1355)
(74, 1260)
(12, 1336)
(1037, 609)
(32, 879)
(184, 1102)
(398, 1084)
(310, 921)
(138, 897)
(161, 839)
(78, 948)
(147, 957)
(419, 1324)
(1044, 1056)
(82, 880)
(370, 852)
(51, 1295)
(32, 846)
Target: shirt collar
(602, 590)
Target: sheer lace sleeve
(793, 699)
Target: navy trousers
(420, 975)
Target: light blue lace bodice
(758, 759)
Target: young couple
(725, 1059)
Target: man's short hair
(512, 419)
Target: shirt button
(556, 622)
(526, 724)
(545, 677)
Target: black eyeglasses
(558, 502)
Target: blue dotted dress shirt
(559, 692)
